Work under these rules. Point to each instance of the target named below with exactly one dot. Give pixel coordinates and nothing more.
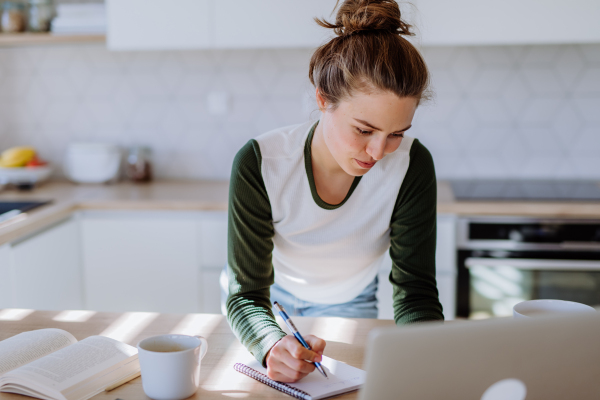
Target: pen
(290, 324)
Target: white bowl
(541, 308)
(92, 162)
(25, 174)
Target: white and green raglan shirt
(281, 231)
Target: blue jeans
(362, 306)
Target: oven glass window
(495, 290)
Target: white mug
(170, 365)
(540, 308)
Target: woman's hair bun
(367, 15)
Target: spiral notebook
(342, 378)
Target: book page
(128, 369)
(26, 347)
(73, 364)
(25, 391)
(341, 378)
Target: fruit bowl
(25, 175)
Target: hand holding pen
(299, 354)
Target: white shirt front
(320, 255)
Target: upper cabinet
(270, 23)
(204, 24)
(485, 22)
(159, 24)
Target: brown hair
(368, 54)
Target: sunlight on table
(74, 316)
(333, 328)
(230, 378)
(129, 325)
(236, 395)
(192, 324)
(14, 314)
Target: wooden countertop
(346, 340)
(447, 204)
(212, 195)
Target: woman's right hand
(289, 361)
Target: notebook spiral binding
(282, 387)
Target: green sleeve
(249, 248)
(413, 239)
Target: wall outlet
(218, 103)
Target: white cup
(541, 308)
(170, 365)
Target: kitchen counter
(212, 195)
(447, 204)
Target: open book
(342, 378)
(51, 364)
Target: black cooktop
(525, 190)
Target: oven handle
(534, 264)
(580, 245)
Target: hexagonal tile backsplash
(499, 112)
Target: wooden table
(346, 339)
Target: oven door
(495, 284)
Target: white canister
(92, 162)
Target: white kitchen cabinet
(445, 263)
(385, 291)
(445, 259)
(445, 253)
(212, 229)
(159, 24)
(211, 291)
(446, 284)
(46, 269)
(476, 22)
(141, 261)
(270, 23)
(6, 296)
(203, 24)
(212, 239)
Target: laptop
(540, 358)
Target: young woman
(314, 208)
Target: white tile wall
(514, 112)
(502, 111)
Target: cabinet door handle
(534, 264)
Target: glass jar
(41, 13)
(138, 167)
(14, 17)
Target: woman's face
(365, 128)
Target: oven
(505, 260)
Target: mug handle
(204, 346)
